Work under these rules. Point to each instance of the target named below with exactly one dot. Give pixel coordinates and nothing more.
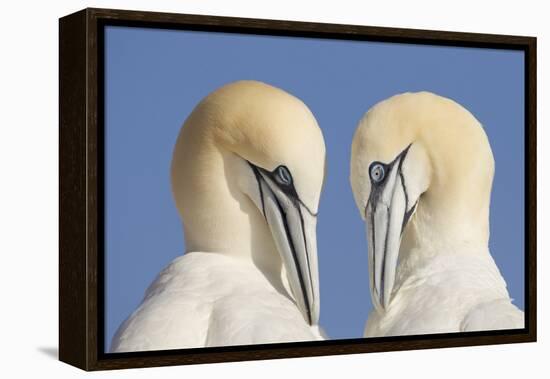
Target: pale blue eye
(282, 176)
(377, 172)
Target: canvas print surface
(267, 189)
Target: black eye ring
(377, 172)
(283, 176)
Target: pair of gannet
(247, 172)
(421, 173)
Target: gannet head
(248, 166)
(421, 172)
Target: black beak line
(293, 196)
(373, 201)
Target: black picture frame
(81, 297)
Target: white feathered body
(209, 299)
(444, 293)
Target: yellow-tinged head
(247, 173)
(421, 172)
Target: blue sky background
(154, 78)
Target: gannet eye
(282, 176)
(377, 172)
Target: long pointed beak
(387, 214)
(293, 228)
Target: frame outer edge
(95, 221)
(80, 195)
(531, 171)
(72, 181)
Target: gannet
(246, 173)
(421, 173)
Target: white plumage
(447, 293)
(247, 172)
(208, 299)
(421, 171)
